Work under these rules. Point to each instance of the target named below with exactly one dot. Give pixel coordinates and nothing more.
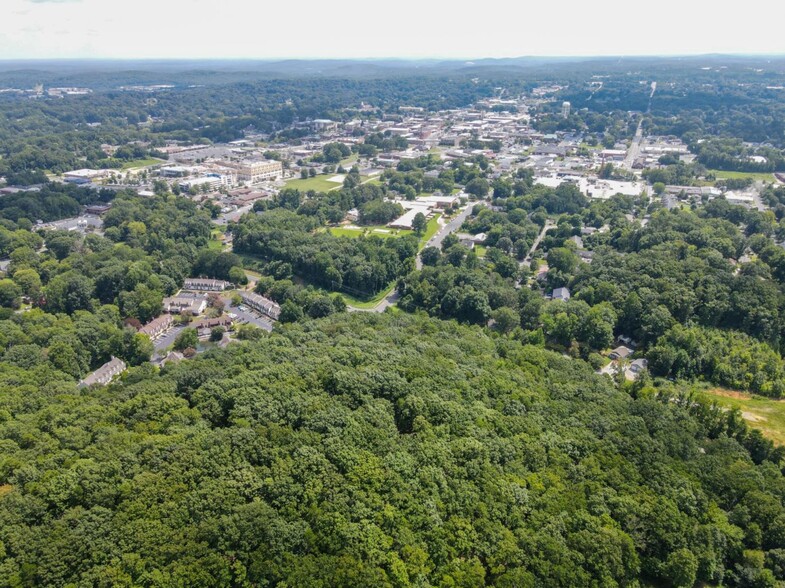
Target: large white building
(255, 171)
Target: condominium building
(157, 326)
(104, 374)
(261, 304)
(206, 285)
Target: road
(548, 225)
(233, 216)
(435, 241)
(635, 147)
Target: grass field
(728, 175)
(377, 230)
(383, 231)
(318, 183)
(349, 161)
(141, 163)
(430, 230)
(370, 303)
(762, 413)
(480, 250)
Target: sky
(264, 29)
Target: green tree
(187, 338)
(290, 312)
(29, 281)
(10, 294)
(419, 223)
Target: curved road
(435, 241)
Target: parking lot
(167, 338)
(246, 315)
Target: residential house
(620, 352)
(185, 303)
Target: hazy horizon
(151, 30)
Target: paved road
(450, 227)
(548, 225)
(435, 241)
(233, 216)
(635, 147)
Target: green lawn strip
(370, 303)
(141, 163)
(733, 175)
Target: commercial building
(324, 124)
(104, 374)
(212, 182)
(255, 171)
(260, 303)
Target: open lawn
(378, 230)
(349, 161)
(765, 414)
(370, 303)
(480, 250)
(318, 183)
(383, 231)
(141, 163)
(430, 230)
(727, 175)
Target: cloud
(53, 1)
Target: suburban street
(548, 225)
(635, 147)
(435, 241)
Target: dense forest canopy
(377, 451)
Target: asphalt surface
(549, 224)
(167, 338)
(247, 316)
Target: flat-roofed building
(254, 171)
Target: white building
(565, 109)
(261, 304)
(104, 374)
(206, 285)
(254, 171)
